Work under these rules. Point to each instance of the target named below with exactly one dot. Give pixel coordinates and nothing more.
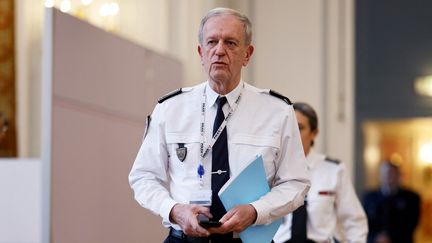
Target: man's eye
(232, 43)
(211, 42)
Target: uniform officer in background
(200, 136)
(393, 212)
(331, 200)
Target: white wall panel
(20, 201)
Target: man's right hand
(186, 215)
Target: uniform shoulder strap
(170, 95)
(280, 96)
(331, 160)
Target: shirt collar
(313, 158)
(231, 96)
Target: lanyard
(218, 132)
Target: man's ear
(249, 52)
(199, 49)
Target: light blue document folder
(250, 185)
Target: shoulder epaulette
(280, 96)
(331, 160)
(170, 95)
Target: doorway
(407, 143)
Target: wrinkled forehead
(224, 24)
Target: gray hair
(227, 11)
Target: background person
(331, 199)
(174, 168)
(393, 212)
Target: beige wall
(28, 35)
(304, 49)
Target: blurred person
(393, 212)
(198, 137)
(331, 201)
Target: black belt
(177, 233)
(307, 241)
(180, 235)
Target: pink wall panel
(103, 88)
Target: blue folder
(250, 185)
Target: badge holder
(203, 197)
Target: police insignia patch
(181, 152)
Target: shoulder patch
(331, 160)
(280, 96)
(170, 95)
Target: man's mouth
(219, 63)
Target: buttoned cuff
(262, 215)
(165, 209)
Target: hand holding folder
(248, 186)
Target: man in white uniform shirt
(174, 171)
(331, 200)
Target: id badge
(201, 197)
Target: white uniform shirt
(261, 124)
(331, 201)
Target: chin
(218, 75)
(219, 78)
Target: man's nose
(220, 48)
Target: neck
(223, 87)
(388, 190)
(306, 151)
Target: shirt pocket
(180, 143)
(247, 146)
(322, 203)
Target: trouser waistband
(307, 241)
(180, 235)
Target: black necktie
(298, 226)
(219, 162)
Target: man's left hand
(236, 220)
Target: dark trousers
(307, 241)
(177, 236)
(173, 239)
